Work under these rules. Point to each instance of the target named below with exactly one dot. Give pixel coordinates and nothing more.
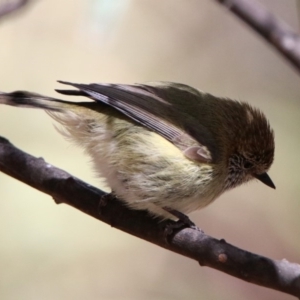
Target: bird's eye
(248, 165)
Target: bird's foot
(183, 222)
(180, 216)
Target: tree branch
(12, 6)
(218, 254)
(271, 28)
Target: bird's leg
(181, 217)
(183, 222)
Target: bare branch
(274, 30)
(218, 254)
(12, 6)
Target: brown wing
(145, 105)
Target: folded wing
(159, 108)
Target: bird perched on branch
(163, 147)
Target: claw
(183, 222)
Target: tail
(27, 99)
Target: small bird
(163, 147)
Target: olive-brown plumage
(163, 145)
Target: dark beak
(264, 178)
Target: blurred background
(55, 252)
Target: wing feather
(155, 109)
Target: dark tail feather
(27, 99)
(72, 92)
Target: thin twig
(274, 30)
(207, 251)
(12, 6)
